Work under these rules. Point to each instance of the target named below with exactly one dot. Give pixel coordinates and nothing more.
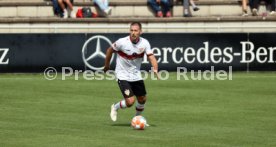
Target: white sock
(186, 11)
(139, 108)
(121, 104)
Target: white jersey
(130, 57)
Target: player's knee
(130, 101)
(142, 99)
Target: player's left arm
(152, 59)
(154, 64)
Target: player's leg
(127, 101)
(140, 105)
(127, 93)
(124, 103)
(139, 91)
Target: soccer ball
(139, 122)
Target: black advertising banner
(34, 53)
(194, 51)
(197, 51)
(264, 49)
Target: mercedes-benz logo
(98, 52)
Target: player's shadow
(128, 125)
(121, 125)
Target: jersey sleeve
(117, 45)
(148, 49)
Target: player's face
(135, 32)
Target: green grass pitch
(35, 112)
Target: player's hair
(137, 23)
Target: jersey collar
(135, 41)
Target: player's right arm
(114, 48)
(108, 56)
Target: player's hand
(106, 68)
(156, 74)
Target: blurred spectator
(273, 7)
(254, 4)
(244, 7)
(61, 6)
(186, 6)
(156, 5)
(104, 6)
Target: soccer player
(130, 52)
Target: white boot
(113, 113)
(65, 13)
(108, 11)
(73, 14)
